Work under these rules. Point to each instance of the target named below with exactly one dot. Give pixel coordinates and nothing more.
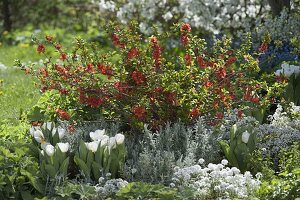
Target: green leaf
(34, 180)
(64, 167)
(83, 151)
(50, 170)
(81, 164)
(26, 195)
(96, 170)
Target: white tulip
(104, 141)
(119, 138)
(279, 72)
(97, 135)
(44, 144)
(38, 136)
(31, 130)
(49, 149)
(112, 143)
(53, 131)
(42, 152)
(49, 125)
(92, 146)
(245, 136)
(61, 132)
(64, 147)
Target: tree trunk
(6, 15)
(278, 5)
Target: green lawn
(18, 92)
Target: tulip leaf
(96, 168)
(64, 167)
(81, 164)
(50, 170)
(83, 151)
(90, 159)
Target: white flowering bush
(281, 28)
(209, 15)
(283, 130)
(216, 181)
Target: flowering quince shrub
(144, 82)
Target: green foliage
(292, 93)
(19, 172)
(140, 190)
(73, 190)
(242, 143)
(285, 185)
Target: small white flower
(167, 16)
(120, 138)
(133, 170)
(49, 149)
(224, 162)
(38, 136)
(92, 146)
(97, 135)
(42, 152)
(245, 136)
(201, 161)
(64, 147)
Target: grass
(17, 90)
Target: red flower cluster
(230, 61)
(57, 46)
(138, 77)
(139, 112)
(62, 114)
(105, 70)
(221, 73)
(90, 68)
(63, 56)
(248, 96)
(194, 113)
(117, 42)
(263, 47)
(91, 101)
(132, 53)
(41, 48)
(184, 38)
(188, 59)
(201, 62)
(157, 50)
(49, 38)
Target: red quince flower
(49, 38)
(195, 112)
(185, 27)
(139, 112)
(138, 77)
(188, 59)
(132, 53)
(62, 114)
(57, 46)
(221, 73)
(63, 56)
(263, 47)
(41, 48)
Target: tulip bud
(49, 149)
(245, 136)
(38, 136)
(61, 132)
(119, 138)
